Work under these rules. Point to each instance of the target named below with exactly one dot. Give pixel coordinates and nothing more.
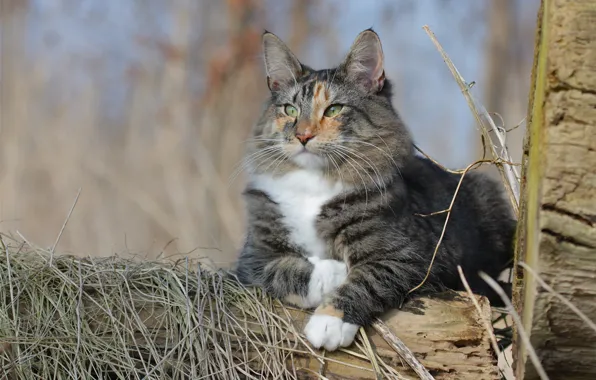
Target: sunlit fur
(361, 145)
(356, 193)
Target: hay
(121, 319)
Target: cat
(338, 201)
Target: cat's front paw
(330, 332)
(326, 276)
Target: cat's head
(337, 120)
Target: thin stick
(435, 161)
(487, 325)
(64, 226)
(372, 354)
(520, 328)
(568, 303)
(401, 349)
(510, 175)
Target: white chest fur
(300, 196)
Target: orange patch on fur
(329, 310)
(281, 122)
(319, 101)
(306, 127)
(330, 126)
(320, 93)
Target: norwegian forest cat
(338, 202)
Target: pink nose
(304, 137)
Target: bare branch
(402, 350)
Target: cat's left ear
(364, 63)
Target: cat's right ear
(283, 68)
(364, 63)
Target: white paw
(326, 276)
(329, 332)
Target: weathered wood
(444, 332)
(557, 233)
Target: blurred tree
(301, 24)
(497, 56)
(501, 31)
(13, 93)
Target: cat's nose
(304, 137)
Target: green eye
(333, 110)
(290, 110)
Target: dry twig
(401, 349)
(508, 172)
(63, 227)
(448, 211)
(487, 325)
(520, 328)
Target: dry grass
(121, 319)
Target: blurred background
(144, 105)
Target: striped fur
(347, 235)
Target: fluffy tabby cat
(337, 199)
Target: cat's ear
(283, 68)
(364, 62)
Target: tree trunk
(557, 232)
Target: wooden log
(444, 331)
(114, 318)
(557, 230)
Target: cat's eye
(333, 110)
(290, 110)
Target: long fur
(352, 201)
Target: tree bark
(557, 232)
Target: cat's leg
(370, 289)
(292, 278)
(325, 277)
(270, 260)
(327, 327)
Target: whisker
(279, 156)
(341, 178)
(283, 158)
(370, 164)
(258, 152)
(386, 154)
(347, 159)
(247, 161)
(257, 139)
(389, 149)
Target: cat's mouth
(308, 159)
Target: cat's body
(339, 204)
